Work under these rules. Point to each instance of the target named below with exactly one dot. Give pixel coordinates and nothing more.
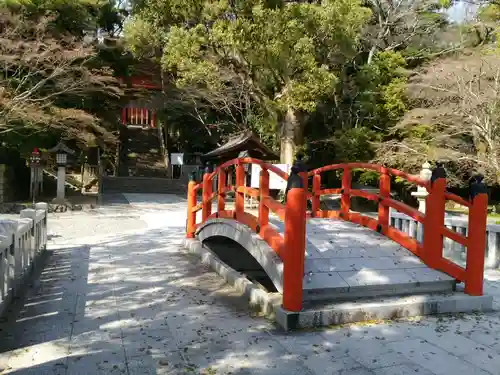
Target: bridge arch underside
(244, 251)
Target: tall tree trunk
(162, 131)
(292, 135)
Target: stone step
(383, 283)
(321, 314)
(142, 185)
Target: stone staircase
(142, 166)
(141, 153)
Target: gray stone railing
(22, 241)
(451, 249)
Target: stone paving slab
(117, 301)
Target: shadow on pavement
(138, 304)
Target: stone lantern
(62, 151)
(421, 193)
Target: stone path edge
(383, 309)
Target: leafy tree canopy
(287, 55)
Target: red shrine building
(140, 113)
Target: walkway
(118, 296)
(350, 261)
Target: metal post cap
(438, 172)
(294, 181)
(208, 167)
(477, 186)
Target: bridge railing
(452, 250)
(430, 247)
(290, 247)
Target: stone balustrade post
(30, 213)
(421, 195)
(7, 241)
(44, 207)
(24, 243)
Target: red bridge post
(207, 193)
(345, 200)
(295, 243)
(316, 195)
(124, 116)
(221, 199)
(239, 204)
(434, 223)
(478, 217)
(264, 193)
(191, 201)
(384, 192)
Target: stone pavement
(118, 296)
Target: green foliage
(382, 84)
(354, 144)
(489, 15)
(384, 67)
(445, 3)
(141, 38)
(341, 68)
(423, 132)
(489, 12)
(276, 48)
(370, 178)
(282, 55)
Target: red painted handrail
(455, 198)
(431, 251)
(241, 161)
(374, 167)
(291, 247)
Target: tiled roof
(238, 143)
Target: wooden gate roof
(245, 141)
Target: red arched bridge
(288, 242)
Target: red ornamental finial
(35, 150)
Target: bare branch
(456, 117)
(38, 67)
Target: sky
(462, 11)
